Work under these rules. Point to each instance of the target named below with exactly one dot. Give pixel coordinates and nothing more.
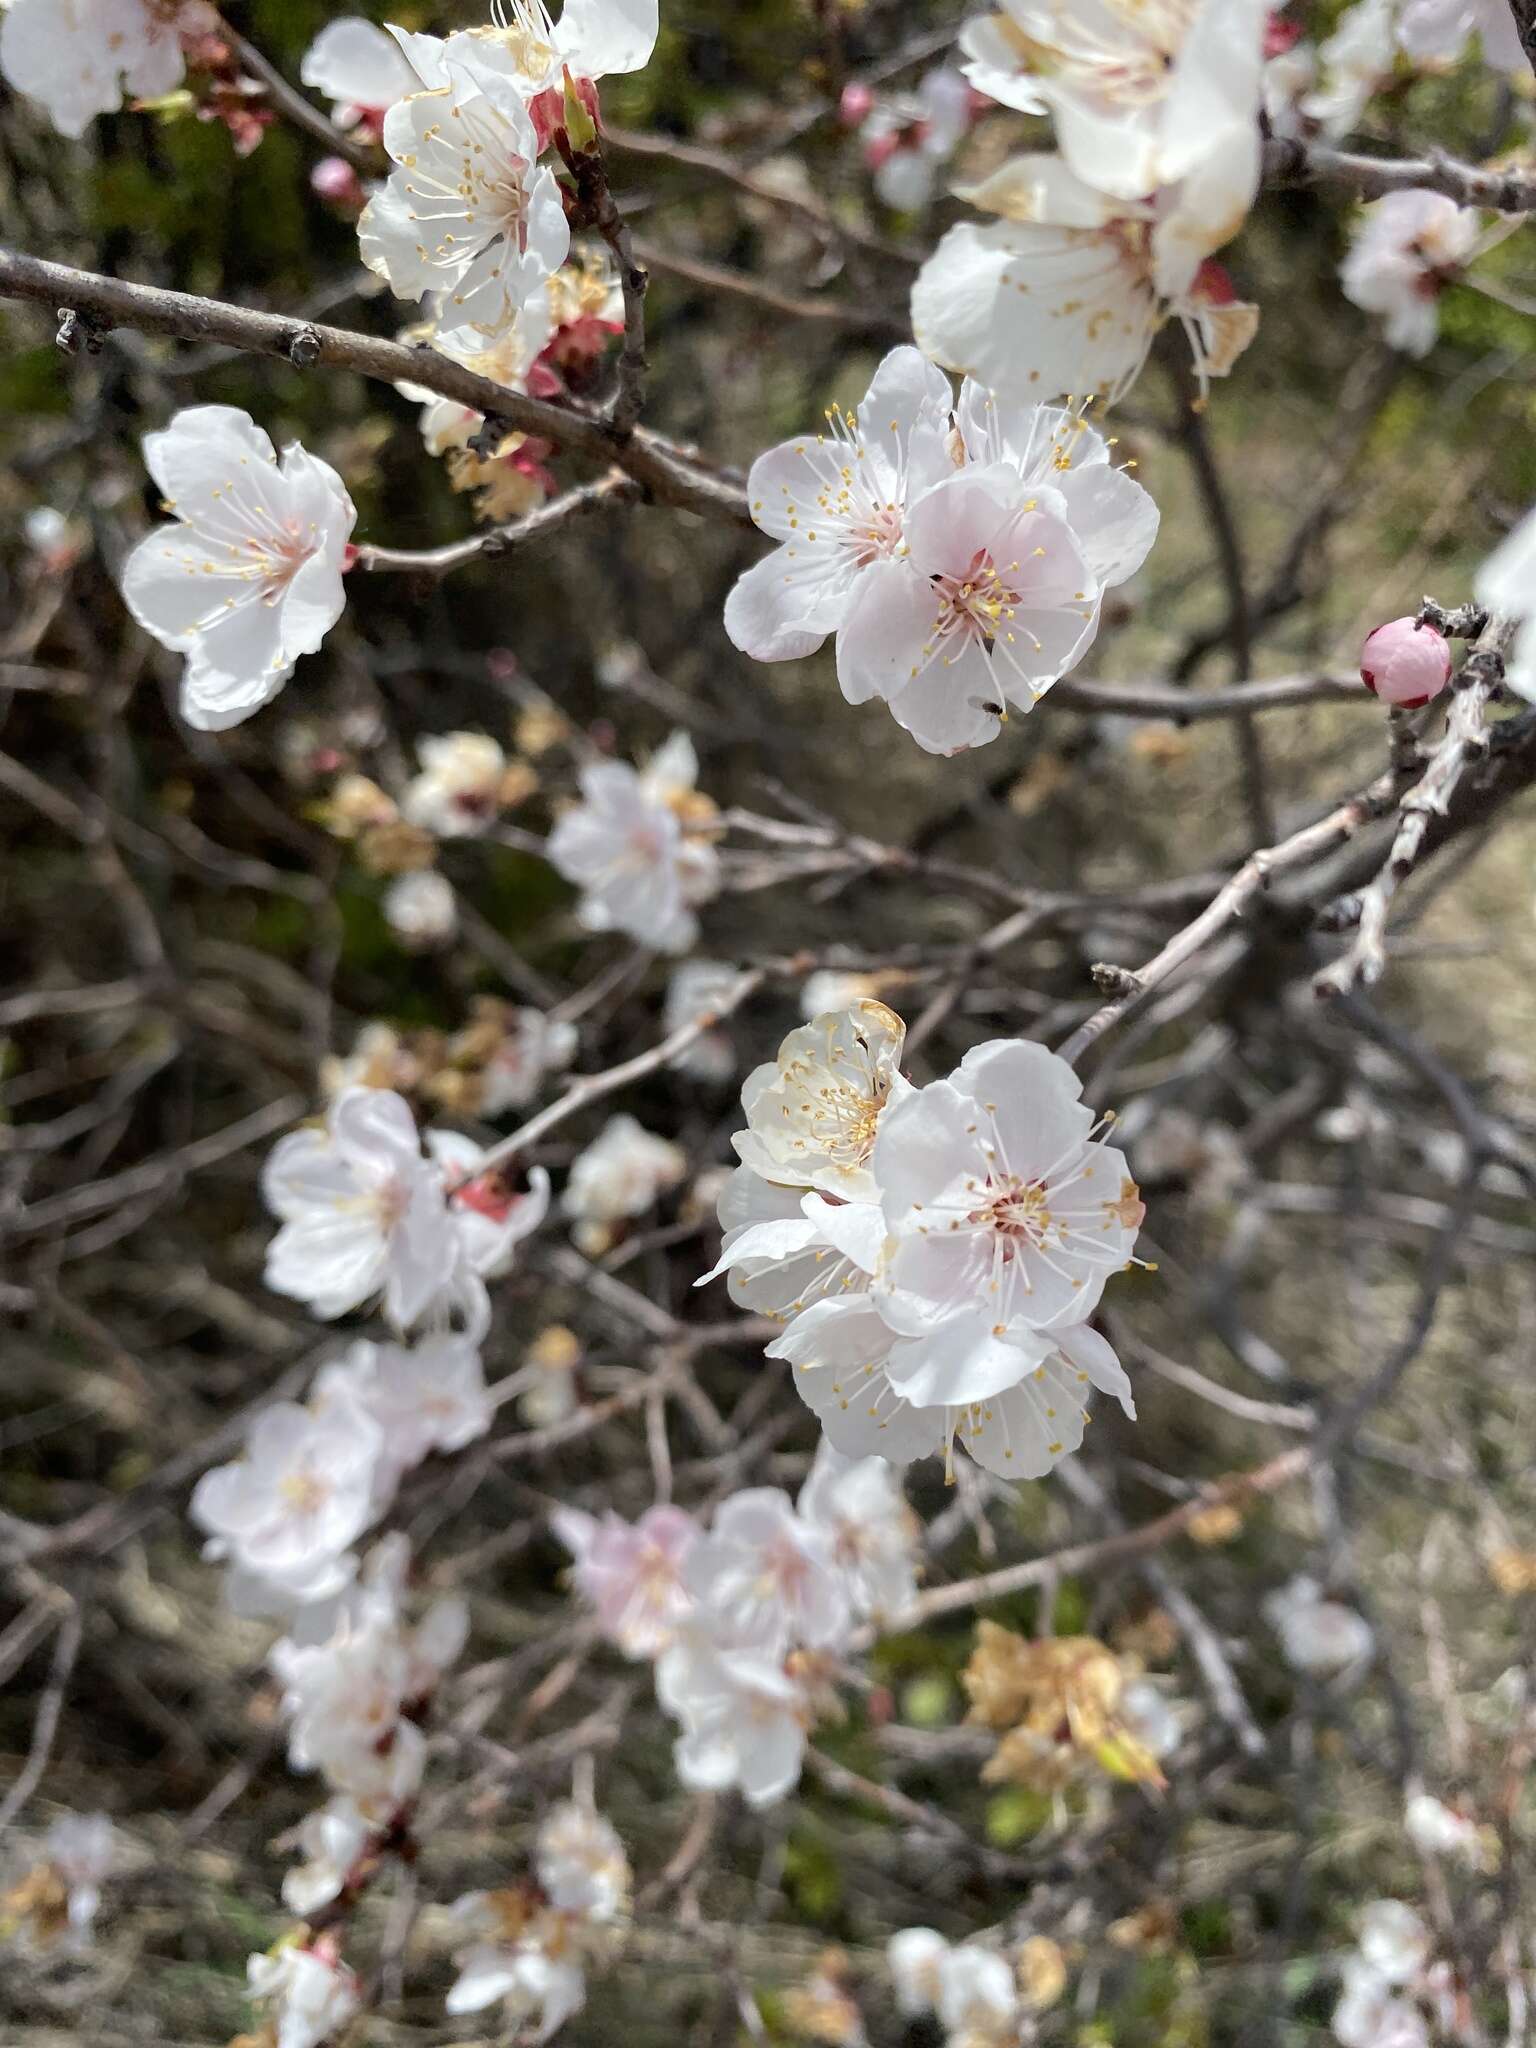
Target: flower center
(304, 1492)
(977, 606)
(1016, 1211)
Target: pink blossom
(632, 1574)
(1405, 664)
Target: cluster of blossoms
(743, 1621)
(1091, 250)
(1324, 90)
(960, 552)
(1394, 1995)
(935, 1253)
(249, 577)
(499, 1061)
(973, 1992)
(905, 139)
(528, 1947)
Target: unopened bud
(335, 181)
(1405, 664)
(855, 106)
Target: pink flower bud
(855, 106)
(1405, 664)
(334, 180)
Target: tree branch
(1290, 162)
(500, 540)
(668, 474)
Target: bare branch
(1288, 162)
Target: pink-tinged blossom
(992, 600)
(764, 1578)
(632, 1575)
(305, 1994)
(1317, 1635)
(858, 1506)
(1139, 94)
(248, 577)
(1007, 1214)
(1064, 291)
(837, 504)
(466, 212)
(1405, 663)
(1506, 584)
(289, 1510)
(490, 1217)
(1436, 1829)
(81, 58)
(744, 1718)
(1408, 247)
(1434, 32)
(581, 1864)
(360, 69)
(363, 1215)
(638, 847)
(906, 138)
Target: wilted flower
(1057, 1703)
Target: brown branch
(1466, 740)
(666, 472)
(1290, 162)
(1524, 12)
(500, 540)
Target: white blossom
(978, 1997)
(363, 1214)
(1438, 31)
(1140, 93)
(914, 1957)
(421, 910)
(1356, 61)
(592, 39)
(1372, 2014)
(632, 1575)
(82, 1849)
(458, 791)
(249, 575)
(620, 1174)
(289, 1510)
(1151, 1718)
(637, 846)
(837, 504)
(531, 1985)
(1439, 1830)
(786, 1248)
(360, 68)
(532, 1046)
(81, 58)
(858, 1505)
(1393, 1940)
(332, 1838)
(1316, 1634)
(814, 1112)
(1506, 583)
(582, 1865)
(425, 1398)
(1065, 290)
(836, 988)
(744, 1718)
(307, 1993)
(698, 988)
(466, 212)
(764, 1578)
(1406, 249)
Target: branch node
(1119, 983)
(80, 333)
(304, 349)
